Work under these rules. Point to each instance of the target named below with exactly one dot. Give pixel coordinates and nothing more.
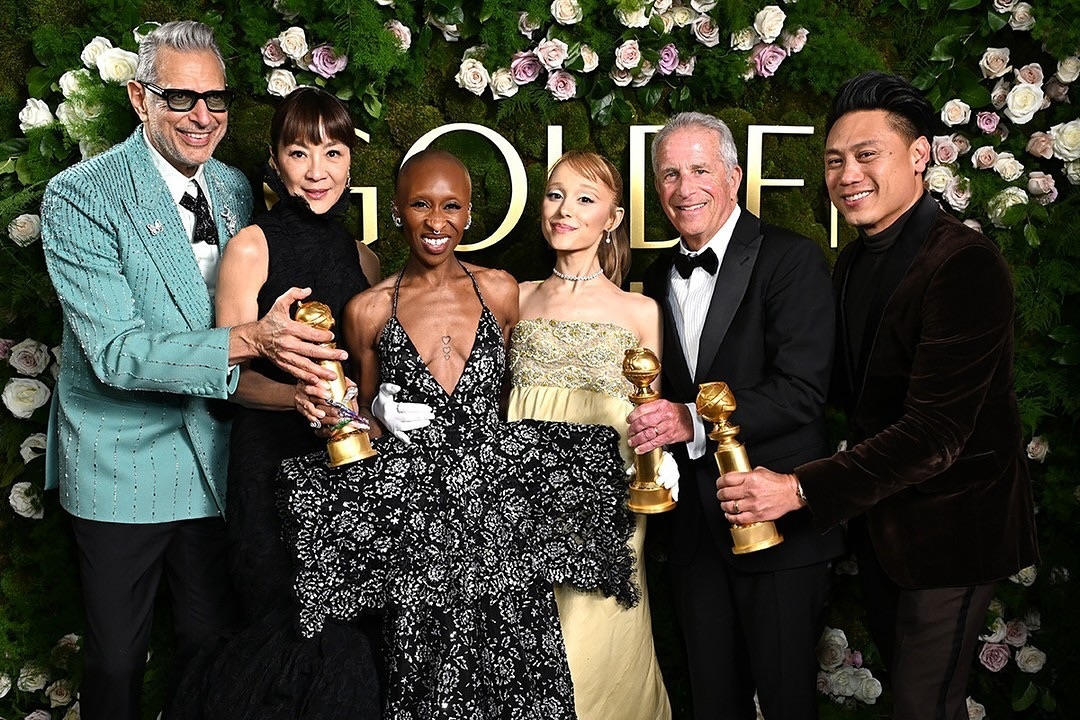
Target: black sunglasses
(217, 101)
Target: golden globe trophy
(346, 444)
(647, 497)
(715, 403)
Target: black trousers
(748, 633)
(121, 566)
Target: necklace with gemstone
(577, 278)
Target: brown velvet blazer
(935, 458)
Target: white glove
(667, 474)
(397, 417)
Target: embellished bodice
(570, 354)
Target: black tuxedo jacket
(769, 335)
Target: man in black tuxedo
(749, 304)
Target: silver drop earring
(607, 236)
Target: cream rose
(35, 114)
(984, 157)
(1068, 69)
(937, 178)
(628, 55)
(1072, 172)
(1025, 576)
(73, 81)
(24, 229)
(1008, 167)
(645, 73)
(841, 681)
(29, 357)
(706, 31)
(796, 41)
(566, 12)
(117, 65)
(955, 112)
(22, 396)
(141, 31)
(590, 60)
(1023, 101)
(666, 21)
(996, 632)
(473, 76)
(39, 714)
(73, 713)
(661, 6)
(1021, 18)
(94, 48)
(1030, 659)
(621, 77)
(744, 39)
(1066, 138)
(293, 42)
(703, 6)
(1040, 145)
(832, 648)
(686, 66)
(553, 52)
(5, 684)
(527, 26)
(400, 32)
(59, 693)
(502, 83)
(995, 62)
(996, 209)
(865, 687)
(683, 16)
(769, 22)
(31, 677)
(975, 710)
(280, 82)
(632, 18)
(958, 193)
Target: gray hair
(684, 120)
(181, 35)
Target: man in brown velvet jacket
(933, 480)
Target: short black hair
(311, 115)
(910, 113)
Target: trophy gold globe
(647, 497)
(715, 403)
(346, 444)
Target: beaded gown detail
(459, 536)
(572, 371)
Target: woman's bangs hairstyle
(310, 116)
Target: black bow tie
(205, 231)
(706, 260)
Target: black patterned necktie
(205, 231)
(685, 264)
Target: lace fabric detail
(570, 354)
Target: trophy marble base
(650, 500)
(348, 448)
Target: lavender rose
(272, 54)
(1055, 91)
(5, 348)
(525, 67)
(669, 59)
(987, 121)
(994, 656)
(562, 85)
(327, 63)
(766, 59)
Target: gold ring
(735, 507)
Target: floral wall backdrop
(1006, 160)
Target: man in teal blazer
(137, 443)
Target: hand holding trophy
(346, 443)
(715, 402)
(647, 496)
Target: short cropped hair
(728, 153)
(311, 116)
(910, 113)
(181, 35)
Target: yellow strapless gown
(572, 372)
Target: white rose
(32, 447)
(832, 648)
(29, 357)
(34, 115)
(94, 48)
(661, 6)
(1025, 576)
(937, 178)
(841, 681)
(682, 15)
(31, 677)
(973, 224)
(59, 693)
(703, 6)
(769, 23)
(621, 77)
(294, 42)
(975, 710)
(1066, 140)
(996, 209)
(25, 501)
(24, 229)
(140, 32)
(1072, 172)
(995, 62)
(401, 32)
(866, 688)
(632, 18)
(552, 53)
(958, 193)
(645, 75)
(589, 58)
(73, 81)
(744, 39)
(706, 31)
(473, 76)
(502, 83)
(5, 684)
(1008, 167)
(117, 65)
(280, 82)
(628, 55)
(1030, 659)
(1022, 19)
(955, 112)
(22, 396)
(1004, 6)
(566, 12)
(996, 632)
(1023, 101)
(1068, 69)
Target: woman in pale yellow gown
(566, 356)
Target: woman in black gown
(264, 670)
(459, 534)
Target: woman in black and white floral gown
(458, 534)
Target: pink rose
(5, 348)
(525, 67)
(963, 145)
(853, 658)
(984, 158)
(1040, 144)
(272, 54)
(1030, 73)
(326, 62)
(994, 656)
(562, 85)
(945, 150)
(766, 58)
(1016, 633)
(794, 42)
(987, 121)
(628, 55)
(1043, 189)
(551, 52)
(669, 59)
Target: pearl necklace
(577, 278)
